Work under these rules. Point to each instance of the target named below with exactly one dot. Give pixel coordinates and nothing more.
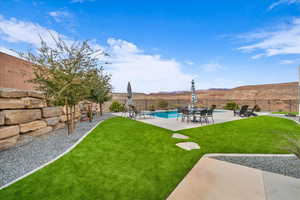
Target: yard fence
(265, 104)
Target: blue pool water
(165, 114)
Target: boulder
(59, 126)
(63, 118)
(36, 94)
(8, 142)
(12, 93)
(41, 131)
(21, 116)
(9, 131)
(52, 121)
(30, 102)
(31, 126)
(2, 118)
(51, 112)
(6, 103)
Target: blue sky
(162, 45)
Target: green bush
(152, 108)
(257, 109)
(163, 104)
(116, 107)
(231, 106)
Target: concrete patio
(175, 125)
(212, 179)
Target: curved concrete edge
(54, 159)
(246, 155)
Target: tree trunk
(101, 109)
(69, 121)
(74, 118)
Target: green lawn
(126, 159)
(284, 112)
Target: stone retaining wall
(26, 112)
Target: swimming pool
(165, 114)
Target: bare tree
(63, 72)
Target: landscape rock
(63, 118)
(41, 131)
(2, 121)
(31, 126)
(11, 103)
(21, 116)
(35, 94)
(180, 136)
(30, 102)
(188, 145)
(52, 121)
(9, 131)
(51, 112)
(59, 126)
(12, 93)
(8, 142)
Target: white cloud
(283, 40)
(13, 30)
(279, 2)
(147, 73)
(189, 62)
(59, 16)
(80, 1)
(8, 51)
(211, 67)
(290, 61)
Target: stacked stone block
(26, 112)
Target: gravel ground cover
(33, 152)
(285, 165)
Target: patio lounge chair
(242, 112)
(251, 112)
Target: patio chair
(242, 112)
(179, 112)
(185, 115)
(210, 114)
(202, 115)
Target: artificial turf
(127, 159)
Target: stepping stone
(188, 145)
(180, 136)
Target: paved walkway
(212, 179)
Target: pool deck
(175, 125)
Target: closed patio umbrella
(194, 95)
(129, 95)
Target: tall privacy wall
(26, 113)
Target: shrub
(152, 108)
(163, 104)
(257, 109)
(213, 106)
(231, 106)
(116, 107)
